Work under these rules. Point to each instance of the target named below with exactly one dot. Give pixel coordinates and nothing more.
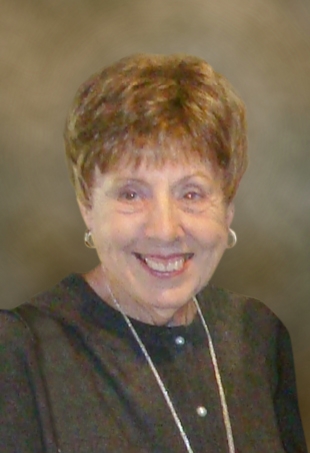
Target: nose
(163, 221)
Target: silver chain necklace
(229, 435)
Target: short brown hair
(162, 108)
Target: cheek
(210, 231)
(114, 232)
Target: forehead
(160, 154)
(167, 172)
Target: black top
(74, 380)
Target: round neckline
(104, 314)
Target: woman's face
(159, 232)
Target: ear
(86, 212)
(230, 213)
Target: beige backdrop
(262, 46)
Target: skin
(159, 234)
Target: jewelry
(232, 239)
(88, 239)
(229, 435)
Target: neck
(137, 310)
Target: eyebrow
(195, 175)
(130, 179)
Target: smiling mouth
(165, 264)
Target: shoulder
(243, 320)
(240, 307)
(247, 332)
(13, 329)
(67, 292)
(61, 303)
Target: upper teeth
(174, 265)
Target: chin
(172, 298)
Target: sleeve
(20, 430)
(286, 403)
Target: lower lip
(165, 275)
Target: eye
(129, 195)
(192, 195)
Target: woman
(141, 354)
